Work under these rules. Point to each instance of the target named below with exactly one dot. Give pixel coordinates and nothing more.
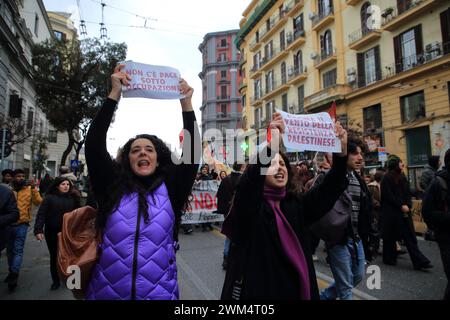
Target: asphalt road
(201, 276)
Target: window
(36, 24)
(258, 117)
(59, 35)
(223, 74)
(268, 25)
(30, 119)
(412, 107)
(270, 110)
(223, 110)
(301, 99)
(445, 30)
(223, 92)
(256, 61)
(325, 7)
(284, 102)
(326, 45)
(282, 40)
(372, 118)
(257, 36)
(403, 5)
(298, 63)
(408, 49)
(298, 24)
(269, 82)
(222, 57)
(369, 69)
(223, 42)
(52, 136)
(244, 103)
(268, 51)
(281, 11)
(329, 78)
(365, 15)
(257, 89)
(283, 73)
(15, 106)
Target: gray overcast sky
(178, 30)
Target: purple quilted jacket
(144, 269)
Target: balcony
(362, 37)
(296, 74)
(326, 96)
(254, 45)
(275, 24)
(295, 40)
(276, 56)
(223, 98)
(294, 6)
(436, 55)
(352, 2)
(325, 59)
(275, 89)
(323, 19)
(393, 18)
(242, 87)
(255, 72)
(256, 100)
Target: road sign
(8, 135)
(74, 164)
(7, 150)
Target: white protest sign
(152, 82)
(203, 203)
(311, 132)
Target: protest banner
(203, 204)
(152, 82)
(311, 132)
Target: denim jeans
(226, 247)
(16, 243)
(347, 268)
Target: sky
(177, 29)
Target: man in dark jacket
(429, 171)
(436, 212)
(347, 258)
(224, 200)
(8, 213)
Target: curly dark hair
(127, 182)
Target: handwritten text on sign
(153, 82)
(312, 132)
(203, 204)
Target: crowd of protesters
(273, 221)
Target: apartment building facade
(221, 103)
(386, 64)
(22, 24)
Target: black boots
(12, 281)
(225, 263)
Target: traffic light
(244, 146)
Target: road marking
(198, 283)
(359, 295)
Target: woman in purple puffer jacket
(140, 195)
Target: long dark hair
(53, 188)
(127, 182)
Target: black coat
(226, 191)
(267, 272)
(436, 206)
(52, 210)
(8, 212)
(393, 197)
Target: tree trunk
(68, 149)
(79, 146)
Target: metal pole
(3, 147)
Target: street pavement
(201, 276)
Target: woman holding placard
(270, 254)
(139, 197)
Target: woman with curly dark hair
(60, 199)
(140, 197)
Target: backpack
(78, 244)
